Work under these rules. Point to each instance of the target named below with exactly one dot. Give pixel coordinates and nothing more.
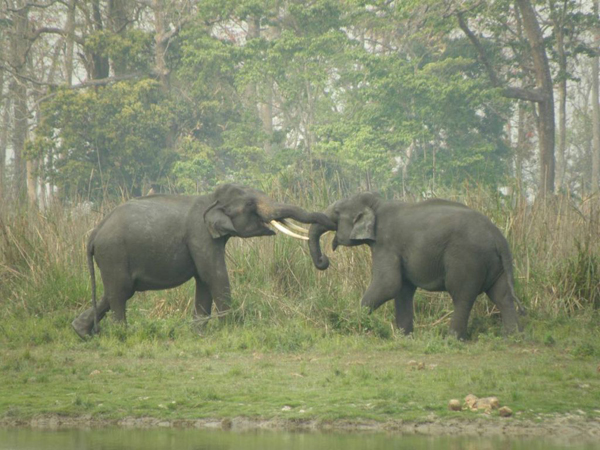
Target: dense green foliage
(110, 141)
(306, 94)
(114, 97)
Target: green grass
(165, 369)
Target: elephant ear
(364, 226)
(218, 223)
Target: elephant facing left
(436, 245)
(161, 241)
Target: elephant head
(245, 212)
(354, 221)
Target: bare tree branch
(31, 5)
(52, 30)
(480, 50)
(109, 80)
(85, 84)
(532, 95)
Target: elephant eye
(358, 217)
(250, 206)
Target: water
(155, 439)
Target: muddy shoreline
(571, 428)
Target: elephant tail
(507, 265)
(90, 261)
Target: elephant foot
(406, 330)
(200, 323)
(80, 331)
(458, 335)
(84, 324)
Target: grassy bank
(165, 370)
(297, 345)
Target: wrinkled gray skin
(436, 245)
(161, 241)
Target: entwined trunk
(315, 232)
(320, 260)
(279, 211)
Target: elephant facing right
(436, 245)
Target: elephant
(436, 245)
(161, 241)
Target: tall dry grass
(42, 257)
(555, 248)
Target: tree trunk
(546, 105)
(100, 65)
(117, 22)
(562, 134)
(562, 113)
(543, 95)
(3, 124)
(18, 93)
(5, 108)
(272, 33)
(264, 102)
(31, 166)
(251, 92)
(595, 116)
(266, 117)
(521, 148)
(558, 24)
(19, 135)
(70, 41)
(160, 45)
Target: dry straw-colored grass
(555, 249)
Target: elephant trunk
(315, 232)
(279, 211)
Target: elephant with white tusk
(161, 241)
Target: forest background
(110, 98)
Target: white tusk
(286, 231)
(293, 226)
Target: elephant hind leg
(118, 288)
(84, 323)
(117, 300)
(463, 285)
(463, 303)
(501, 295)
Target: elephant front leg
(386, 280)
(203, 300)
(404, 308)
(221, 294)
(212, 281)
